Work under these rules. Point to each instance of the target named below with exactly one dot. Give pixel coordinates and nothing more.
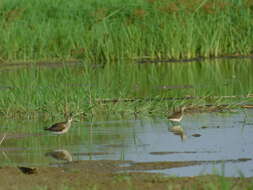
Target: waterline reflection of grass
(55, 92)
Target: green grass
(54, 92)
(94, 30)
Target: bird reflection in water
(61, 155)
(178, 130)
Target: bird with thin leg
(61, 127)
(177, 116)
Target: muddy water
(220, 142)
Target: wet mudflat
(97, 174)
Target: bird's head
(70, 119)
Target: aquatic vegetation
(122, 90)
(94, 30)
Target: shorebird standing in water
(60, 128)
(177, 116)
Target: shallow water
(224, 145)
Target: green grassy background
(96, 30)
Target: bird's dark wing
(175, 115)
(57, 127)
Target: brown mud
(107, 174)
